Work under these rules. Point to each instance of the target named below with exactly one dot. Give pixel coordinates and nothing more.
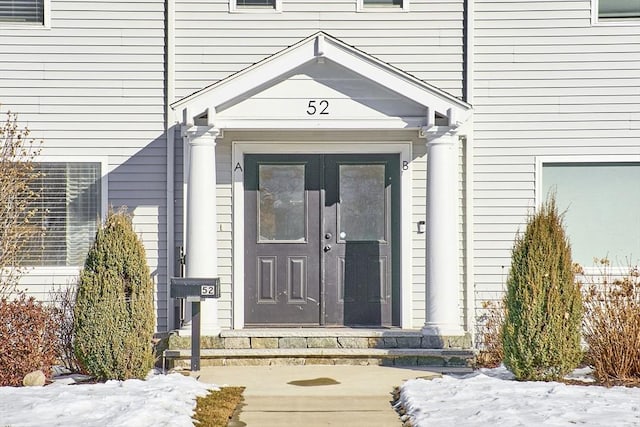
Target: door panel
(282, 286)
(320, 240)
(358, 219)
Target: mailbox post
(195, 290)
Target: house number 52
(318, 107)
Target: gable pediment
(320, 83)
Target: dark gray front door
(320, 243)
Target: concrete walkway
(319, 396)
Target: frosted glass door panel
(362, 202)
(281, 203)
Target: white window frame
(598, 159)
(45, 25)
(360, 7)
(233, 8)
(615, 22)
(72, 270)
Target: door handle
(327, 248)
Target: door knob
(327, 248)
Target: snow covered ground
(161, 400)
(490, 397)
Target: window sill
(616, 22)
(52, 271)
(255, 11)
(5, 25)
(382, 10)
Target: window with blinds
(68, 211)
(27, 11)
(618, 9)
(241, 4)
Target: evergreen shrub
(541, 335)
(114, 314)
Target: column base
(435, 337)
(185, 331)
(442, 330)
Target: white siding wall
(547, 82)
(92, 85)
(212, 43)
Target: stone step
(440, 359)
(300, 338)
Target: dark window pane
(22, 11)
(383, 3)
(619, 9)
(256, 3)
(362, 202)
(281, 202)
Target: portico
(325, 105)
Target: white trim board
(240, 148)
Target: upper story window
(255, 5)
(618, 9)
(24, 12)
(68, 211)
(383, 5)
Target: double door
(320, 240)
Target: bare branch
(19, 194)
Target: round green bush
(541, 335)
(114, 314)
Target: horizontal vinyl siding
(418, 244)
(212, 43)
(547, 82)
(93, 86)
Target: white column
(201, 244)
(442, 262)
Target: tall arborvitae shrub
(114, 315)
(541, 335)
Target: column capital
(198, 135)
(438, 134)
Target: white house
(339, 163)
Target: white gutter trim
(470, 289)
(170, 136)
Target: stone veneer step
(444, 360)
(300, 338)
(334, 346)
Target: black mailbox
(195, 289)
